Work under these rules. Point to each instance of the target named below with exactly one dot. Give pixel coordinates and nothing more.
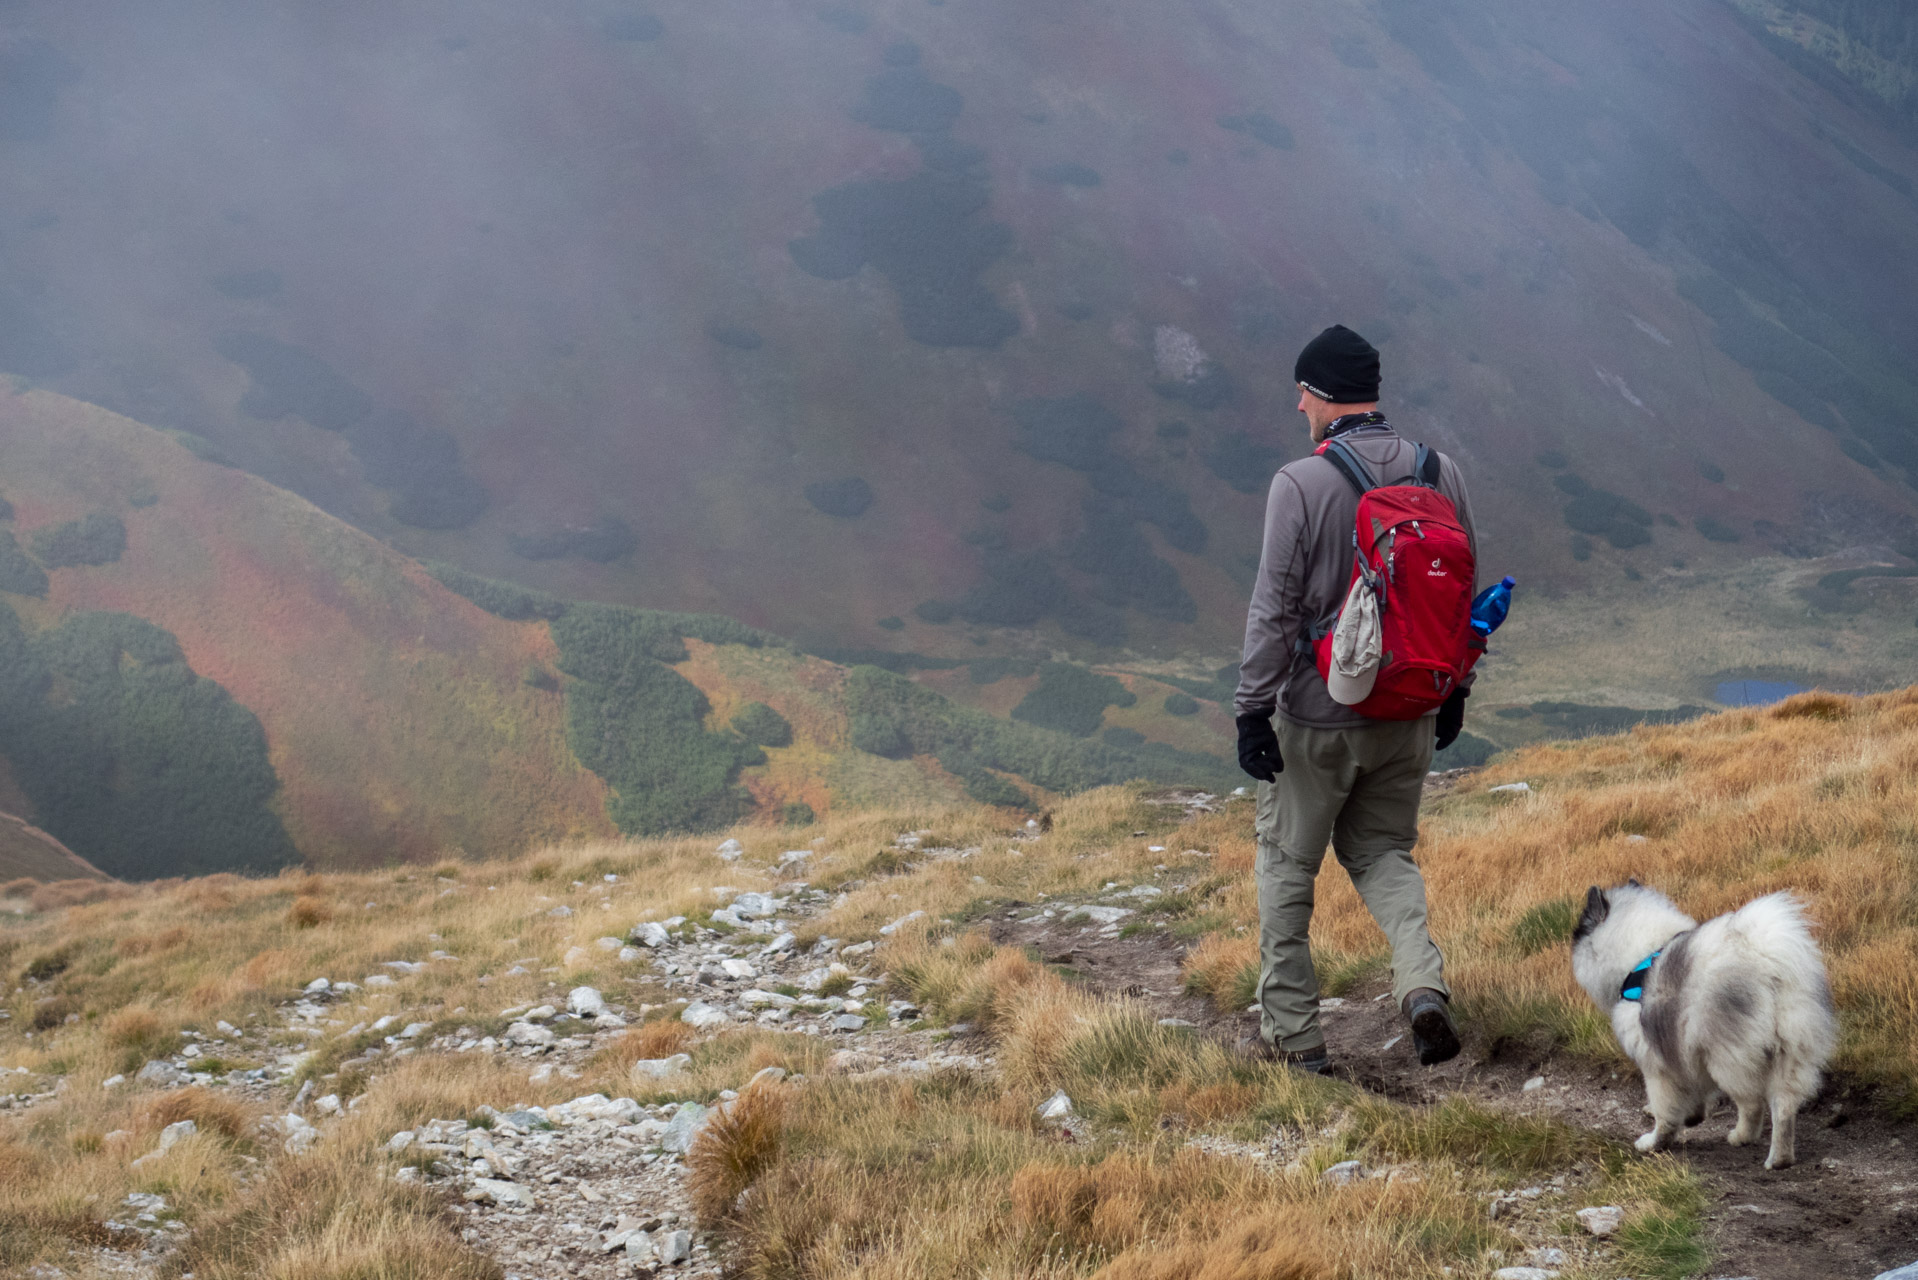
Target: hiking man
(1326, 772)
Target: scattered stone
(560, 912)
(1331, 1002)
(500, 1192)
(699, 1014)
(1600, 1220)
(608, 944)
(414, 1030)
(401, 1140)
(674, 1246)
(848, 1022)
(730, 851)
(1909, 1272)
(629, 954)
(848, 1062)
(752, 906)
(738, 969)
(319, 986)
(329, 1105)
(766, 1075)
(300, 1136)
(176, 1131)
(658, 1068)
(783, 943)
(379, 980)
(1104, 915)
(1523, 1273)
(889, 929)
(162, 1075)
(113, 1082)
(1514, 788)
(1533, 1085)
(1056, 1109)
(528, 1033)
(1545, 1257)
(1344, 1173)
(684, 1127)
(586, 1002)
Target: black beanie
(1341, 365)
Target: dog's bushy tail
(1778, 937)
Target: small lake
(1755, 693)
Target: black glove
(1259, 747)
(1451, 718)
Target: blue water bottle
(1492, 605)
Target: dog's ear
(1597, 907)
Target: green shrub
(1468, 752)
(1711, 471)
(1071, 699)
(536, 676)
(1179, 704)
(1581, 547)
(760, 724)
(894, 623)
(91, 540)
(501, 599)
(797, 813)
(138, 765)
(893, 716)
(993, 670)
(936, 612)
(1618, 520)
(640, 725)
(1122, 738)
(18, 573)
(1715, 530)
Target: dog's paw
(1647, 1141)
(1780, 1162)
(1738, 1139)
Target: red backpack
(1409, 543)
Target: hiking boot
(1433, 1033)
(1314, 1061)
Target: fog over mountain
(948, 332)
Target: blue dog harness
(1634, 986)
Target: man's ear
(1597, 907)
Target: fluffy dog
(1739, 1004)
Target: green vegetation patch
(501, 599)
(892, 716)
(91, 540)
(135, 762)
(1604, 514)
(1072, 699)
(1576, 720)
(759, 724)
(18, 573)
(640, 725)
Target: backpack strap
(1426, 467)
(1349, 465)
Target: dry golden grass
(940, 1176)
(735, 1147)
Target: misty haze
(768, 507)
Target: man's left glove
(1451, 718)
(1259, 747)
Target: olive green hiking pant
(1359, 790)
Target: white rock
(560, 912)
(300, 1136)
(727, 917)
(608, 944)
(586, 1002)
(848, 1022)
(1533, 1085)
(226, 1028)
(530, 1033)
(757, 999)
(674, 1246)
(1523, 1273)
(629, 954)
(1104, 915)
(890, 929)
(404, 966)
(499, 1192)
(1548, 1257)
(751, 906)
(163, 1074)
(730, 851)
(856, 950)
(318, 985)
(1146, 891)
(784, 942)
(684, 1127)
(1056, 1108)
(329, 1105)
(414, 1030)
(651, 934)
(1600, 1220)
(1344, 1173)
(541, 1014)
(767, 1075)
(401, 1140)
(113, 1082)
(176, 1131)
(379, 980)
(702, 1015)
(1176, 1022)
(576, 958)
(1514, 788)
(738, 968)
(385, 1022)
(1330, 1003)
(647, 1069)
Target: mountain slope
(971, 312)
(397, 716)
(28, 853)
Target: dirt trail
(1847, 1211)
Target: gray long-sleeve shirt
(1305, 570)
